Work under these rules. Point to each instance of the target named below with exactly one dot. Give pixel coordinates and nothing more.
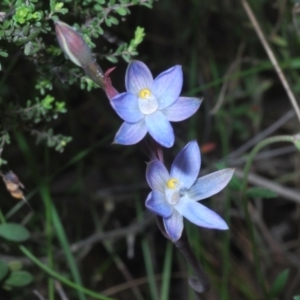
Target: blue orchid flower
(150, 104)
(174, 195)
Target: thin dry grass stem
(121, 266)
(280, 190)
(137, 282)
(265, 155)
(37, 293)
(133, 229)
(60, 290)
(115, 234)
(263, 134)
(295, 12)
(292, 245)
(271, 56)
(275, 247)
(233, 67)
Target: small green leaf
(58, 6)
(297, 297)
(52, 5)
(113, 20)
(14, 232)
(27, 48)
(18, 279)
(279, 284)
(121, 11)
(100, 30)
(258, 192)
(112, 59)
(3, 269)
(139, 35)
(3, 54)
(98, 7)
(107, 22)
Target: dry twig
(271, 57)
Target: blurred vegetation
(88, 223)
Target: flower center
(145, 93)
(172, 183)
(147, 102)
(172, 190)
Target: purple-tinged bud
(76, 49)
(73, 45)
(108, 87)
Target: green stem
(2, 218)
(49, 233)
(256, 149)
(47, 203)
(259, 146)
(59, 277)
(226, 267)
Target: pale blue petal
(160, 129)
(167, 86)
(182, 109)
(127, 107)
(138, 77)
(174, 225)
(186, 165)
(199, 214)
(130, 133)
(157, 203)
(157, 175)
(210, 185)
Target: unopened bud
(73, 44)
(76, 49)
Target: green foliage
(58, 141)
(18, 279)
(27, 26)
(3, 270)
(279, 284)
(11, 275)
(35, 79)
(257, 192)
(14, 232)
(126, 51)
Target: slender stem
(271, 56)
(59, 277)
(226, 267)
(47, 203)
(53, 274)
(2, 218)
(259, 146)
(200, 284)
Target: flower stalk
(200, 284)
